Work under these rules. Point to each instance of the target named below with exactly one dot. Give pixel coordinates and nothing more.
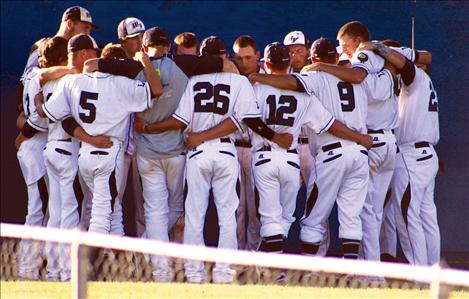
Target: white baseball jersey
(345, 101)
(367, 60)
(31, 89)
(287, 111)
(56, 132)
(210, 99)
(382, 114)
(95, 103)
(418, 111)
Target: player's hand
(139, 125)
(312, 67)
(254, 77)
(366, 141)
(370, 46)
(91, 65)
(283, 139)
(143, 58)
(193, 140)
(39, 99)
(101, 141)
(19, 140)
(230, 67)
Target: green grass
(43, 290)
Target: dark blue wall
(440, 27)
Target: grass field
(46, 290)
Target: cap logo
(294, 38)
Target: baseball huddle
(356, 124)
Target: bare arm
(150, 74)
(39, 101)
(342, 131)
(424, 57)
(74, 129)
(20, 120)
(55, 72)
(351, 75)
(224, 128)
(164, 125)
(279, 81)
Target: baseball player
(89, 99)
(340, 164)
(381, 121)
(246, 57)
(208, 101)
(277, 170)
(413, 181)
(30, 143)
(299, 44)
(130, 32)
(185, 43)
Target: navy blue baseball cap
(155, 36)
(212, 45)
(78, 13)
(323, 48)
(276, 53)
(82, 42)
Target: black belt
(242, 143)
(267, 148)
(331, 146)
(303, 140)
(66, 140)
(380, 131)
(225, 140)
(421, 144)
(99, 153)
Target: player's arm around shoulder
(151, 75)
(55, 72)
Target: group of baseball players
(356, 124)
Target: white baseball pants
(381, 159)
(162, 182)
(212, 165)
(413, 185)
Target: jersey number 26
(205, 91)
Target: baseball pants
(381, 159)
(341, 176)
(32, 166)
(388, 234)
(277, 178)
(248, 225)
(413, 185)
(61, 160)
(101, 170)
(212, 165)
(162, 182)
(307, 167)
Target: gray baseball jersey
(169, 143)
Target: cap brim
(134, 34)
(93, 26)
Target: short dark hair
(113, 51)
(244, 41)
(391, 43)
(354, 29)
(186, 40)
(53, 51)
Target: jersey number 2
(220, 102)
(277, 114)
(85, 104)
(346, 96)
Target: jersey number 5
(85, 97)
(204, 91)
(277, 114)
(346, 96)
